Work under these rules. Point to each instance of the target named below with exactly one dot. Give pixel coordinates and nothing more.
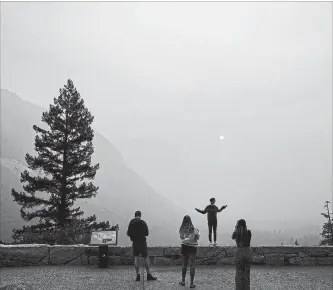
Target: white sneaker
(210, 244)
(216, 244)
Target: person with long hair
(243, 255)
(189, 236)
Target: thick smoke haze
(166, 80)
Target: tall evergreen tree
(327, 231)
(63, 162)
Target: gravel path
(208, 278)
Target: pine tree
(63, 163)
(327, 231)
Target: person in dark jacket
(138, 231)
(243, 256)
(211, 211)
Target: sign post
(103, 239)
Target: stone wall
(39, 255)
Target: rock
(231, 251)
(115, 260)
(319, 252)
(178, 262)
(65, 254)
(330, 251)
(127, 260)
(274, 259)
(155, 252)
(113, 251)
(326, 261)
(204, 262)
(226, 261)
(79, 261)
(172, 251)
(210, 253)
(302, 254)
(93, 260)
(310, 261)
(24, 256)
(127, 252)
(258, 260)
(159, 261)
(295, 261)
(276, 250)
(290, 256)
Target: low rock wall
(39, 255)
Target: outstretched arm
(201, 211)
(222, 208)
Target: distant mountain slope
(121, 191)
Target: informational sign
(104, 238)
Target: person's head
(186, 224)
(212, 201)
(241, 223)
(241, 226)
(137, 214)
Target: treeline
(278, 238)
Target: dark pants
(188, 254)
(140, 248)
(243, 259)
(212, 225)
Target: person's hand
(224, 207)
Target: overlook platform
(123, 278)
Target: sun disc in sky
(221, 137)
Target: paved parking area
(122, 277)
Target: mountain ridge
(129, 192)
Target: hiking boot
(150, 277)
(138, 277)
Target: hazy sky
(176, 76)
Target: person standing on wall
(212, 211)
(243, 256)
(138, 231)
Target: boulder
(274, 259)
(302, 254)
(12, 256)
(160, 261)
(172, 252)
(226, 261)
(62, 255)
(295, 261)
(79, 261)
(319, 252)
(155, 252)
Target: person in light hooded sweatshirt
(189, 236)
